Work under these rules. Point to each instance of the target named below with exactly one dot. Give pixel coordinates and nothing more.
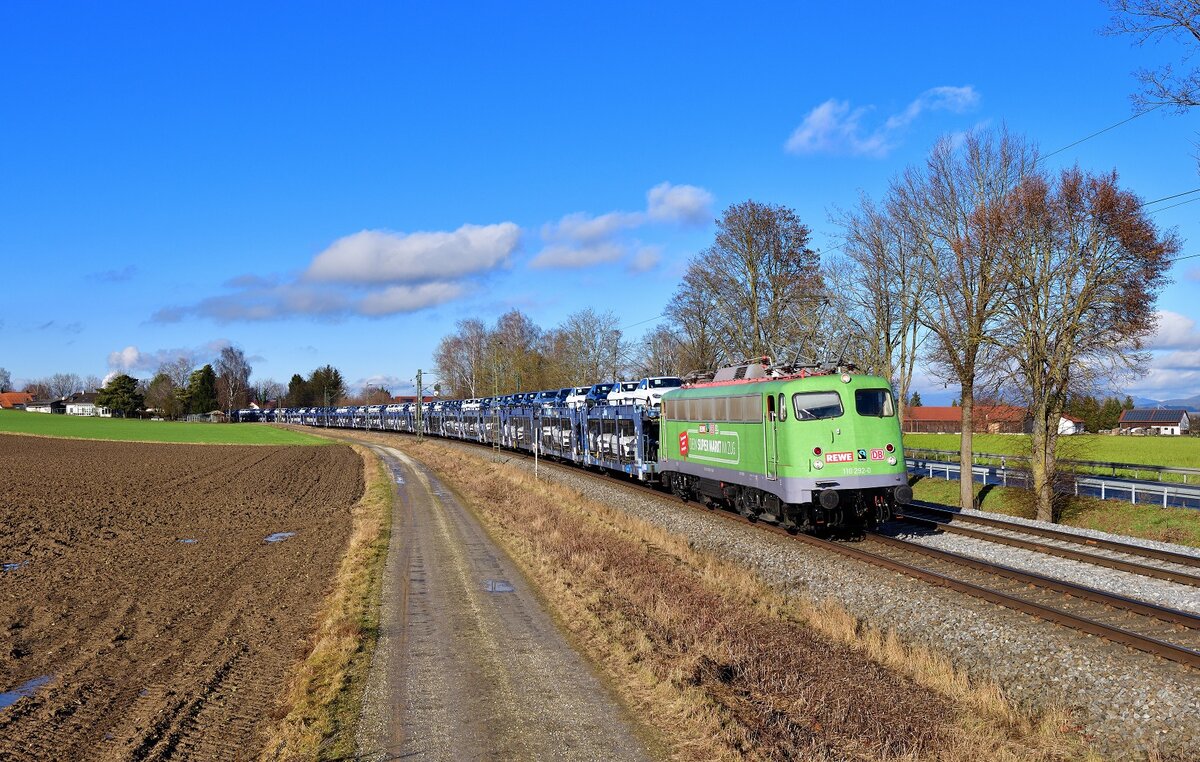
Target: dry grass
(723, 665)
(323, 700)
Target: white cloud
(133, 360)
(572, 256)
(1163, 384)
(1184, 360)
(580, 226)
(581, 239)
(833, 127)
(645, 259)
(378, 256)
(371, 273)
(1175, 331)
(679, 203)
(396, 299)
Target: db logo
(877, 454)
(683, 443)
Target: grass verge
(323, 700)
(1177, 525)
(723, 665)
(136, 430)
(1172, 452)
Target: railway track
(1175, 567)
(1157, 630)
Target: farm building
(15, 400)
(1166, 421)
(84, 403)
(1069, 424)
(988, 419)
(57, 407)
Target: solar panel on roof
(1160, 416)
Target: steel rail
(1182, 578)
(1103, 597)
(1182, 559)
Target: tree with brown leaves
(950, 210)
(1084, 265)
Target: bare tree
(883, 291)
(1084, 266)
(269, 390)
(39, 388)
(162, 396)
(587, 348)
(233, 378)
(661, 354)
(460, 358)
(5, 380)
(62, 384)
(695, 323)
(92, 383)
(951, 211)
(180, 370)
(516, 339)
(1155, 21)
(762, 279)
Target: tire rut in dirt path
(470, 666)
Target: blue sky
(341, 186)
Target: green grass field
(44, 424)
(1173, 452)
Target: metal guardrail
(1075, 466)
(1106, 488)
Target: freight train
(810, 449)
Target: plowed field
(138, 583)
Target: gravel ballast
(1125, 701)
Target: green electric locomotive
(811, 451)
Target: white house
(82, 403)
(1068, 425)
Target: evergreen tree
(1110, 414)
(202, 391)
(326, 384)
(121, 396)
(299, 393)
(915, 400)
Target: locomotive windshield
(811, 406)
(876, 403)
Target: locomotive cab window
(876, 403)
(811, 406)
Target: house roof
(982, 413)
(82, 398)
(1159, 415)
(1072, 418)
(9, 399)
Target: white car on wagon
(649, 391)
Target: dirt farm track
(140, 603)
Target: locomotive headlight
(845, 378)
(892, 460)
(818, 464)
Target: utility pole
(420, 404)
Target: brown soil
(158, 648)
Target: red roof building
(10, 400)
(987, 419)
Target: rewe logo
(683, 443)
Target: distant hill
(1190, 404)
